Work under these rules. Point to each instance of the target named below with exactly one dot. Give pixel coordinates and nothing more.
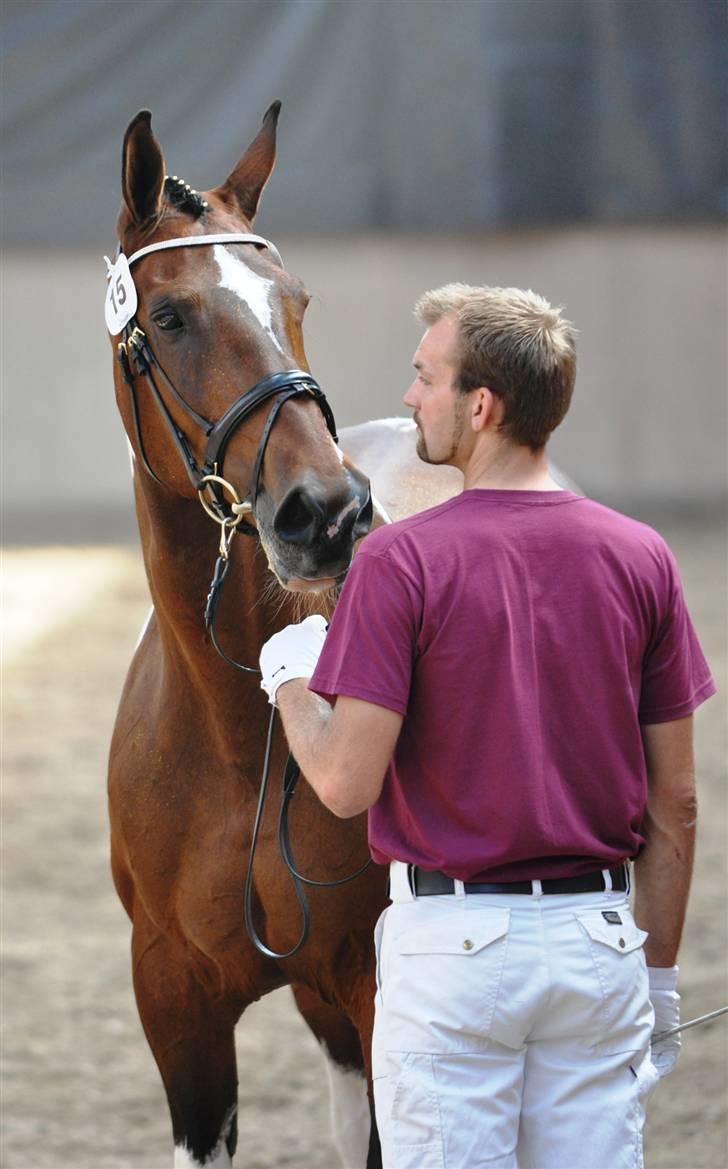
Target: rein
(136, 359)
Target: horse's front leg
(352, 1110)
(190, 1030)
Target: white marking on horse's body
(219, 1158)
(349, 1111)
(253, 290)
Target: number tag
(121, 295)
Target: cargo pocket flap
(622, 936)
(462, 936)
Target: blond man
(508, 686)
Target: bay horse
(217, 334)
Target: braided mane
(181, 194)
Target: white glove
(666, 1003)
(292, 653)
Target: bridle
(136, 359)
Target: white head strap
(121, 294)
(189, 241)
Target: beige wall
(648, 423)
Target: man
(508, 685)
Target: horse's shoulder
(402, 484)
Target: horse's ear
(142, 169)
(245, 183)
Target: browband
(244, 237)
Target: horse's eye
(167, 320)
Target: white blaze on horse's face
(254, 290)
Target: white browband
(191, 241)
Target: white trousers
(511, 1031)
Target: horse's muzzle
(306, 518)
(313, 534)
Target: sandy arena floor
(80, 1087)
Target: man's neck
(508, 467)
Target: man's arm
(343, 751)
(664, 867)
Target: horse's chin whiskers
(274, 594)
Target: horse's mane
(181, 195)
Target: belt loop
(607, 878)
(400, 882)
(536, 889)
(459, 889)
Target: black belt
(425, 883)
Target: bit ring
(214, 509)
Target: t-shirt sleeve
(371, 644)
(676, 678)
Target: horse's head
(212, 323)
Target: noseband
(136, 358)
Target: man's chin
(421, 449)
(424, 455)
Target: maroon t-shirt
(524, 635)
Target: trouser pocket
(624, 1018)
(440, 980)
(408, 1113)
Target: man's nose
(410, 398)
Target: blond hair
(512, 341)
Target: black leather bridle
(137, 359)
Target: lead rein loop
(255, 938)
(290, 779)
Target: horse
(215, 332)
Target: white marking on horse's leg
(253, 290)
(219, 1158)
(349, 1109)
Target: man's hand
(292, 653)
(666, 1002)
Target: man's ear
(483, 405)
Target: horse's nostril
(307, 516)
(298, 518)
